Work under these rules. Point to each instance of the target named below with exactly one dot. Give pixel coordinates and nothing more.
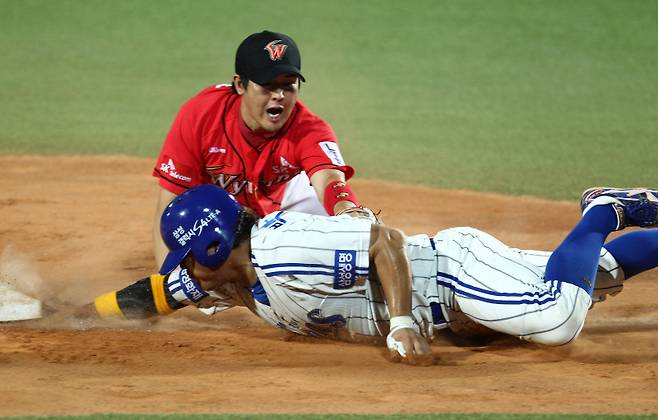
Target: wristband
(398, 322)
(337, 191)
(184, 288)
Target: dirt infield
(82, 225)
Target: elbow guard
(142, 299)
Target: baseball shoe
(633, 206)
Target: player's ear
(237, 85)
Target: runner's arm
(391, 266)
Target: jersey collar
(258, 139)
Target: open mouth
(274, 111)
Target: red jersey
(209, 143)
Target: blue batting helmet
(202, 220)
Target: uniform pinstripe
(306, 289)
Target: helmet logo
(276, 50)
(183, 237)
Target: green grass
(513, 96)
(446, 416)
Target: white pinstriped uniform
(505, 290)
(313, 272)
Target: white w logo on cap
(276, 50)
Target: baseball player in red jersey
(254, 139)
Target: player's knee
(564, 332)
(558, 338)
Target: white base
(16, 306)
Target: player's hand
(408, 346)
(361, 213)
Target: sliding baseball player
(345, 278)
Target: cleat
(634, 206)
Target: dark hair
(243, 81)
(246, 221)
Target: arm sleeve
(156, 295)
(180, 163)
(318, 149)
(142, 299)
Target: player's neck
(249, 275)
(255, 137)
(238, 268)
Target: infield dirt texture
(509, 98)
(234, 362)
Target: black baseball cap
(264, 55)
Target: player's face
(208, 278)
(268, 107)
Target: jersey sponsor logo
(279, 179)
(215, 149)
(330, 149)
(169, 168)
(275, 221)
(276, 50)
(316, 316)
(285, 168)
(184, 288)
(183, 237)
(344, 269)
(233, 184)
(191, 288)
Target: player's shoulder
(217, 91)
(306, 121)
(210, 98)
(283, 220)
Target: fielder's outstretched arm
(337, 197)
(389, 260)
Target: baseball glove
(362, 213)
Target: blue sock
(635, 251)
(576, 260)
